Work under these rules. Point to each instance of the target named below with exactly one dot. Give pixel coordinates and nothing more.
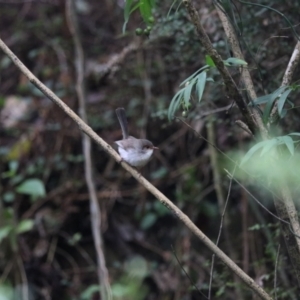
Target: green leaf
(175, 103)
(9, 197)
(283, 113)
(6, 291)
(24, 226)
(148, 220)
(194, 75)
(160, 209)
(295, 133)
(33, 187)
(136, 268)
(269, 97)
(261, 100)
(234, 62)
(288, 141)
(4, 232)
(201, 85)
(269, 145)
(255, 227)
(127, 9)
(187, 93)
(145, 10)
(209, 61)
(270, 103)
(89, 292)
(267, 110)
(119, 290)
(252, 151)
(281, 101)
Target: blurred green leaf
(9, 197)
(194, 75)
(24, 226)
(267, 109)
(288, 141)
(201, 84)
(5, 62)
(74, 239)
(269, 97)
(127, 12)
(4, 232)
(33, 187)
(13, 166)
(295, 133)
(6, 291)
(253, 150)
(255, 227)
(88, 293)
(120, 290)
(148, 220)
(281, 102)
(268, 146)
(175, 103)
(234, 62)
(160, 209)
(136, 267)
(209, 61)
(146, 10)
(187, 93)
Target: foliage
(145, 8)
(43, 150)
(267, 146)
(197, 82)
(9, 230)
(280, 95)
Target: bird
(136, 152)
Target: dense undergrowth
(45, 229)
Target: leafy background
(45, 228)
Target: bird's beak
(155, 148)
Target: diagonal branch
(152, 189)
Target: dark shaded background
(142, 239)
